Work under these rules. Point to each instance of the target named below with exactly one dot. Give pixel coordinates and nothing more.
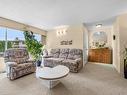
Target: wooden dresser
(102, 55)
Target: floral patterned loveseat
(17, 63)
(72, 58)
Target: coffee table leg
(53, 83)
(50, 83)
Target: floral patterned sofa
(72, 58)
(17, 63)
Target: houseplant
(33, 46)
(125, 63)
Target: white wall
(116, 46)
(74, 33)
(123, 38)
(120, 30)
(85, 45)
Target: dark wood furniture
(101, 55)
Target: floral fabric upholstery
(17, 55)
(17, 63)
(63, 53)
(55, 53)
(72, 58)
(51, 62)
(75, 53)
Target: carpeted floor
(93, 79)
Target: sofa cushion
(25, 65)
(64, 56)
(55, 53)
(53, 59)
(63, 53)
(48, 59)
(77, 56)
(48, 62)
(58, 59)
(70, 63)
(70, 56)
(51, 62)
(18, 55)
(74, 53)
(66, 50)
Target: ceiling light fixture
(61, 30)
(98, 25)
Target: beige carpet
(94, 79)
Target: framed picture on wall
(66, 42)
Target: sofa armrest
(78, 59)
(11, 64)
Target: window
(9, 36)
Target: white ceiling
(47, 14)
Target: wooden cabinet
(102, 55)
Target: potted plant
(33, 46)
(125, 63)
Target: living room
(82, 47)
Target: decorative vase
(38, 63)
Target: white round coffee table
(50, 76)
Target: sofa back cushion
(74, 54)
(55, 53)
(64, 53)
(18, 55)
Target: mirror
(99, 39)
